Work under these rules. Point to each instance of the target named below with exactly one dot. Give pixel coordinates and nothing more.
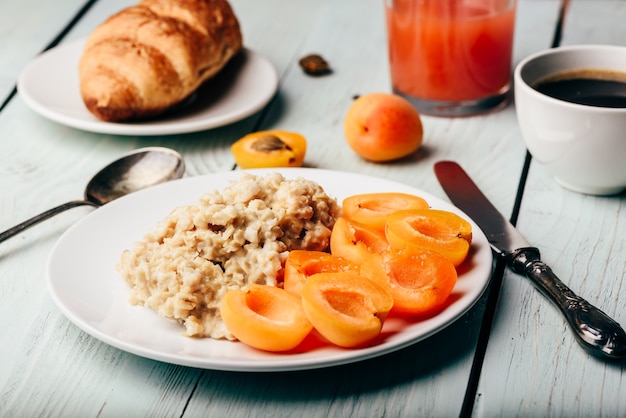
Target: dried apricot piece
(301, 264)
(347, 309)
(273, 148)
(444, 232)
(420, 280)
(372, 209)
(265, 317)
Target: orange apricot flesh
(265, 317)
(372, 209)
(361, 246)
(347, 309)
(301, 264)
(352, 240)
(444, 232)
(420, 280)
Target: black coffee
(603, 88)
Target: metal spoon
(134, 171)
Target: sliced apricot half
(372, 209)
(347, 309)
(442, 231)
(362, 246)
(420, 280)
(353, 240)
(301, 264)
(265, 317)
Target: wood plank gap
(79, 15)
(490, 306)
(57, 39)
(471, 393)
(9, 98)
(558, 30)
(520, 189)
(193, 391)
(483, 338)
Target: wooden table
(524, 362)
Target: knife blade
(594, 330)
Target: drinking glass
(451, 57)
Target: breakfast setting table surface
(501, 349)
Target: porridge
(229, 239)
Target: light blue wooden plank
(534, 367)
(50, 367)
(26, 28)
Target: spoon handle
(42, 217)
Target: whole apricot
(383, 127)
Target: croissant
(149, 57)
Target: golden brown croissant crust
(147, 58)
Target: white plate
(84, 283)
(50, 86)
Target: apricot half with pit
(272, 148)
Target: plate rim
(145, 128)
(280, 364)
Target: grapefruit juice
(451, 55)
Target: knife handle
(594, 329)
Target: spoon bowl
(133, 171)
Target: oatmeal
(229, 239)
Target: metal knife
(595, 330)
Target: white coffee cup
(582, 146)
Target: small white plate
(50, 86)
(83, 281)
